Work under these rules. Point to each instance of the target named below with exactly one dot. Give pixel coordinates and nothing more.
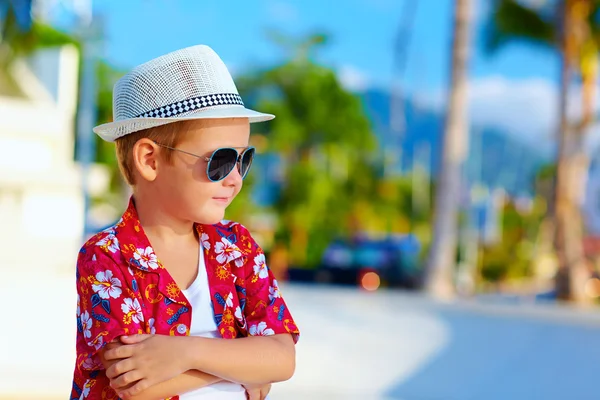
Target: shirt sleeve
(107, 307)
(266, 312)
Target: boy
(160, 292)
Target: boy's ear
(145, 158)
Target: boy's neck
(159, 224)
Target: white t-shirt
(203, 324)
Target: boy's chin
(210, 219)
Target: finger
(264, 391)
(112, 345)
(253, 394)
(122, 381)
(136, 389)
(120, 368)
(132, 339)
(120, 351)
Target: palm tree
(569, 28)
(441, 261)
(19, 35)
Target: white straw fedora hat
(191, 83)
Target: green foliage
(325, 144)
(512, 20)
(243, 207)
(332, 185)
(15, 42)
(547, 171)
(512, 256)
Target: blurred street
(382, 345)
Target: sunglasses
(223, 160)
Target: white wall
(41, 201)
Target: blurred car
(368, 263)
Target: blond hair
(168, 135)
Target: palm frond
(509, 20)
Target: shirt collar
(138, 252)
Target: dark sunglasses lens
(246, 162)
(221, 163)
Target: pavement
(353, 345)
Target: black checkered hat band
(196, 103)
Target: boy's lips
(222, 199)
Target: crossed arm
(148, 367)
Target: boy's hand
(257, 392)
(143, 361)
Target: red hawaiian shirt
(123, 289)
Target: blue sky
(515, 89)
(362, 35)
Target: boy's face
(183, 187)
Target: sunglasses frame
(238, 161)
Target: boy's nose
(234, 178)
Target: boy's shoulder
(104, 244)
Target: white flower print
(229, 300)
(228, 223)
(78, 306)
(261, 330)
(86, 323)
(226, 251)
(133, 310)
(260, 266)
(146, 258)
(86, 389)
(151, 326)
(239, 316)
(106, 285)
(274, 291)
(92, 364)
(239, 262)
(99, 342)
(110, 243)
(204, 239)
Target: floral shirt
(123, 289)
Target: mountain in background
(496, 159)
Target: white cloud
(353, 79)
(526, 108)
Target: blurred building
(41, 197)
